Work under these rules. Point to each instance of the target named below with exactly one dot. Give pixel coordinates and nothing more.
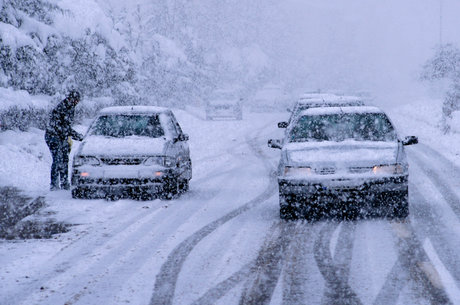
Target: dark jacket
(60, 122)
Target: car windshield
(223, 95)
(340, 127)
(128, 125)
(304, 106)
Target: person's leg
(64, 173)
(54, 149)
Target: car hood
(346, 153)
(127, 146)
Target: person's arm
(75, 135)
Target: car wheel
(401, 208)
(184, 185)
(79, 193)
(287, 212)
(170, 189)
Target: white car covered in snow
(136, 151)
(320, 100)
(342, 162)
(224, 104)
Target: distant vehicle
(316, 95)
(342, 162)
(224, 104)
(320, 100)
(135, 151)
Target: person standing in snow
(57, 136)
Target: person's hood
(127, 146)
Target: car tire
(287, 212)
(184, 185)
(400, 205)
(401, 210)
(170, 189)
(79, 193)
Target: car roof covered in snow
(340, 110)
(309, 96)
(133, 110)
(330, 98)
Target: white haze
(376, 46)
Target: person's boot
(54, 188)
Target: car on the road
(224, 104)
(320, 100)
(135, 151)
(342, 162)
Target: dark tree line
(445, 66)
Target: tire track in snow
(70, 286)
(412, 262)
(344, 249)
(337, 290)
(221, 289)
(268, 265)
(297, 271)
(415, 261)
(445, 241)
(75, 252)
(450, 196)
(165, 283)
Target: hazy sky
(360, 44)
(379, 45)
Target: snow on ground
(219, 151)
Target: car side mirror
(182, 137)
(410, 140)
(275, 143)
(282, 124)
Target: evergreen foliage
(445, 65)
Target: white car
(342, 162)
(224, 104)
(321, 100)
(135, 151)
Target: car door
(181, 147)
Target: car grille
(122, 161)
(359, 170)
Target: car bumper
(116, 179)
(378, 197)
(343, 186)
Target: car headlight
(159, 160)
(297, 171)
(86, 160)
(169, 162)
(154, 161)
(388, 169)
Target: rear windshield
(120, 125)
(340, 127)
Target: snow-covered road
(223, 241)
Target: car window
(120, 125)
(176, 124)
(340, 127)
(170, 126)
